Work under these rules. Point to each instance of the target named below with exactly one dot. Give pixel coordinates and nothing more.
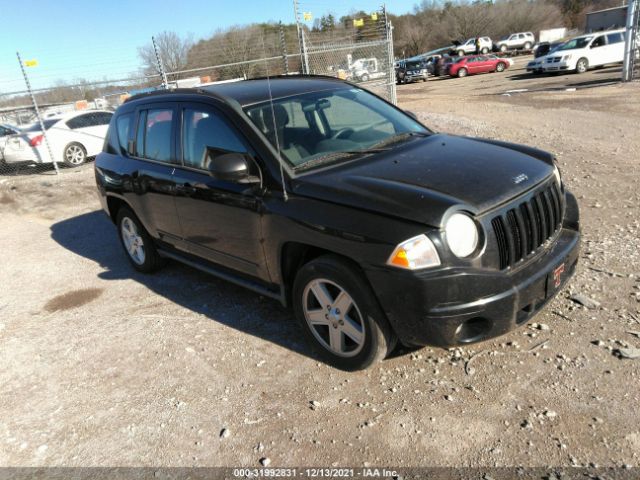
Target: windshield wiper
(330, 156)
(398, 138)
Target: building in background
(606, 19)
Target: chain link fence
(634, 38)
(361, 52)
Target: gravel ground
(102, 366)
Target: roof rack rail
(164, 92)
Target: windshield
(581, 42)
(331, 126)
(414, 65)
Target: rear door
(220, 219)
(152, 149)
(615, 47)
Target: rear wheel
(527, 46)
(340, 315)
(461, 53)
(582, 65)
(137, 243)
(74, 155)
(500, 67)
(462, 73)
(364, 78)
(484, 50)
(503, 48)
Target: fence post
(38, 116)
(393, 96)
(304, 58)
(165, 83)
(283, 46)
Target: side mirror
(229, 166)
(411, 114)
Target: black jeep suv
(317, 193)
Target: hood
(424, 177)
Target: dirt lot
(103, 366)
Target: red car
(472, 64)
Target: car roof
(253, 91)
(603, 32)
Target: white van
(586, 51)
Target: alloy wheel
(74, 154)
(333, 317)
(133, 241)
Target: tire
(364, 78)
(503, 48)
(462, 73)
(500, 67)
(143, 256)
(527, 46)
(461, 53)
(74, 155)
(340, 315)
(484, 50)
(582, 65)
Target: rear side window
(154, 135)
(615, 38)
(81, 121)
(123, 127)
(101, 118)
(202, 129)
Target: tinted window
(123, 127)
(598, 42)
(36, 126)
(157, 137)
(615, 38)
(205, 128)
(81, 121)
(101, 118)
(140, 134)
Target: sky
(95, 39)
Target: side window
(123, 127)
(81, 121)
(598, 42)
(615, 38)
(3, 132)
(157, 135)
(140, 131)
(102, 118)
(202, 129)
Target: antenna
(273, 119)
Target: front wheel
(500, 67)
(461, 53)
(74, 155)
(484, 50)
(340, 315)
(503, 48)
(527, 46)
(582, 65)
(462, 73)
(137, 243)
(364, 78)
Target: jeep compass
(372, 227)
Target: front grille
(522, 229)
(553, 59)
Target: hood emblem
(520, 178)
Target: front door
(220, 220)
(598, 51)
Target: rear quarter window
(119, 134)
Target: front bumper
(557, 67)
(449, 306)
(414, 77)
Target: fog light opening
(473, 330)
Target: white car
(73, 137)
(516, 41)
(6, 131)
(592, 50)
(471, 46)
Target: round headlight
(462, 234)
(556, 172)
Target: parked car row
(484, 45)
(72, 137)
(582, 53)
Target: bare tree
(173, 51)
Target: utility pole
(163, 74)
(38, 116)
